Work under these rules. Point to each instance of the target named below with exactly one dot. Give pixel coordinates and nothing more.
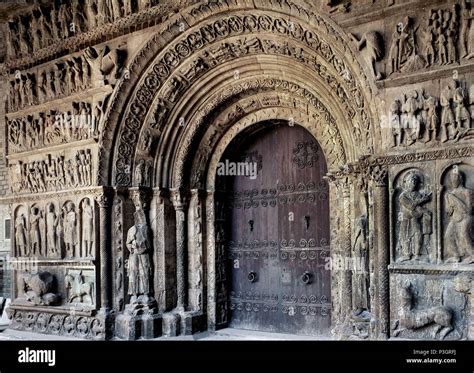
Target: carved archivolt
(202, 49)
(279, 100)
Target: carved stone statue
(35, 232)
(139, 266)
(414, 219)
(70, 233)
(432, 119)
(375, 49)
(461, 114)
(51, 229)
(87, 228)
(447, 116)
(412, 319)
(360, 277)
(20, 236)
(140, 173)
(459, 203)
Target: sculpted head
(412, 181)
(455, 178)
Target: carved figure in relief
(429, 51)
(447, 116)
(79, 290)
(105, 64)
(374, 43)
(459, 204)
(35, 232)
(411, 118)
(432, 119)
(90, 12)
(412, 319)
(464, 33)
(37, 288)
(461, 114)
(360, 277)
(20, 236)
(87, 228)
(140, 173)
(138, 264)
(51, 230)
(414, 219)
(147, 141)
(70, 231)
(65, 20)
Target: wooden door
(278, 235)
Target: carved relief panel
(52, 172)
(420, 119)
(456, 201)
(429, 306)
(55, 229)
(413, 207)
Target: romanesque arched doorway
(272, 232)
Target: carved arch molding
(207, 72)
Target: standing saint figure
(139, 266)
(20, 236)
(51, 229)
(35, 232)
(459, 201)
(360, 277)
(87, 228)
(70, 234)
(414, 219)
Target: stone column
(104, 200)
(344, 195)
(179, 199)
(195, 251)
(379, 180)
(211, 262)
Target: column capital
(104, 197)
(341, 181)
(378, 174)
(179, 198)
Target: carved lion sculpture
(38, 288)
(411, 319)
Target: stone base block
(145, 326)
(171, 324)
(192, 322)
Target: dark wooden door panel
(280, 237)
